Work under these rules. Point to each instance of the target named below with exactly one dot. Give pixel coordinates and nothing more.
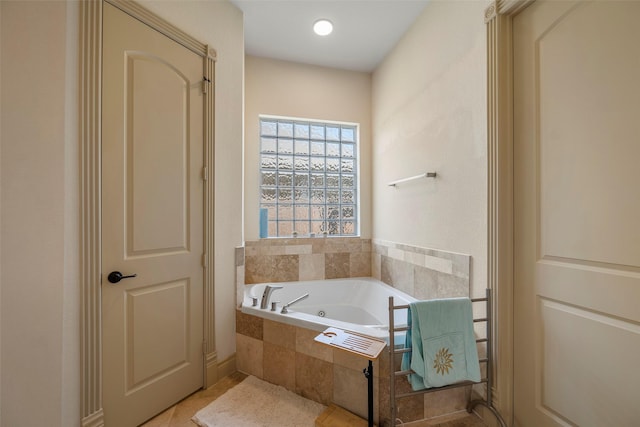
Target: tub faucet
(268, 290)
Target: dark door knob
(116, 276)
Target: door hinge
(205, 84)
(205, 173)
(204, 260)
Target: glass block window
(308, 177)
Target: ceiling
(364, 30)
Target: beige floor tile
(161, 420)
(180, 414)
(460, 419)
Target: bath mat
(257, 403)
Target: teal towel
(443, 343)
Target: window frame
(274, 217)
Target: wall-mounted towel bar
(411, 178)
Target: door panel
(574, 386)
(152, 219)
(577, 243)
(157, 156)
(585, 126)
(155, 324)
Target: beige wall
(1, 117)
(39, 199)
(283, 88)
(429, 114)
(39, 193)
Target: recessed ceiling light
(323, 27)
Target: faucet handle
(255, 301)
(273, 305)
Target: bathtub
(356, 304)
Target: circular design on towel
(443, 361)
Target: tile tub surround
(288, 356)
(424, 274)
(287, 260)
(420, 272)
(310, 369)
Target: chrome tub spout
(285, 307)
(268, 290)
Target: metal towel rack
(394, 374)
(412, 178)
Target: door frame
(90, 98)
(500, 245)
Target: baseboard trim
(94, 420)
(227, 366)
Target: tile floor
(180, 414)
(460, 419)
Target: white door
(577, 213)
(152, 219)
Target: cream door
(577, 213)
(152, 216)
